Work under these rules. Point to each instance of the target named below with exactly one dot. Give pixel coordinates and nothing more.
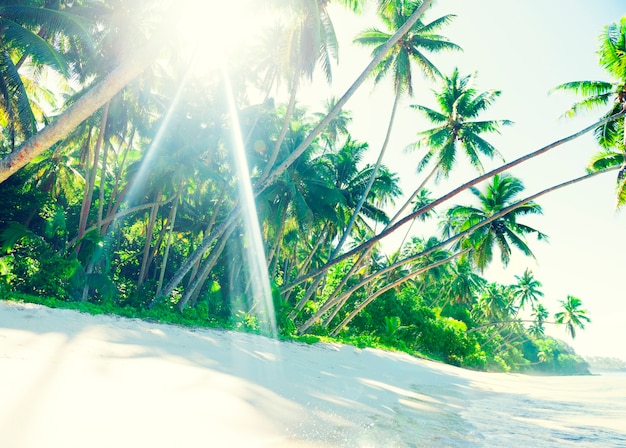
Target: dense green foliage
(140, 210)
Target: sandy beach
(69, 379)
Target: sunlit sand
(73, 380)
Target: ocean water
(520, 411)
(496, 410)
(551, 412)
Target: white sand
(73, 380)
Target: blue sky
(523, 49)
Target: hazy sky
(523, 49)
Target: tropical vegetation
(135, 186)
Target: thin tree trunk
(194, 288)
(275, 249)
(148, 244)
(283, 131)
(371, 180)
(118, 176)
(138, 208)
(170, 238)
(91, 178)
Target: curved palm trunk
(371, 180)
(103, 170)
(78, 112)
(448, 196)
(273, 253)
(283, 131)
(472, 229)
(118, 177)
(388, 287)
(307, 261)
(109, 219)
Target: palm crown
(502, 232)
(610, 135)
(457, 124)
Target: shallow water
(497, 411)
(520, 411)
(556, 411)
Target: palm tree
(572, 316)
(496, 302)
(460, 104)
(610, 135)
(30, 32)
(503, 231)
(457, 125)
(464, 284)
(526, 289)
(411, 47)
(540, 315)
(310, 40)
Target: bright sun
(212, 32)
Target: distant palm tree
(540, 315)
(464, 283)
(496, 302)
(572, 316)
(611, 135)
(526, 289)
(502, 232)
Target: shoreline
(72, 379)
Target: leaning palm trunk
(283, 131)
(194, 288)
(307, 261)
(357, 209)
(118, 178)
(361, 306)
(340, 300)
(339, 303)
(477, 226)
(109, 219)
(389, 230)
(170, 237)
(78, 112)
(371, 180)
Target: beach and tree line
(120, 193)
